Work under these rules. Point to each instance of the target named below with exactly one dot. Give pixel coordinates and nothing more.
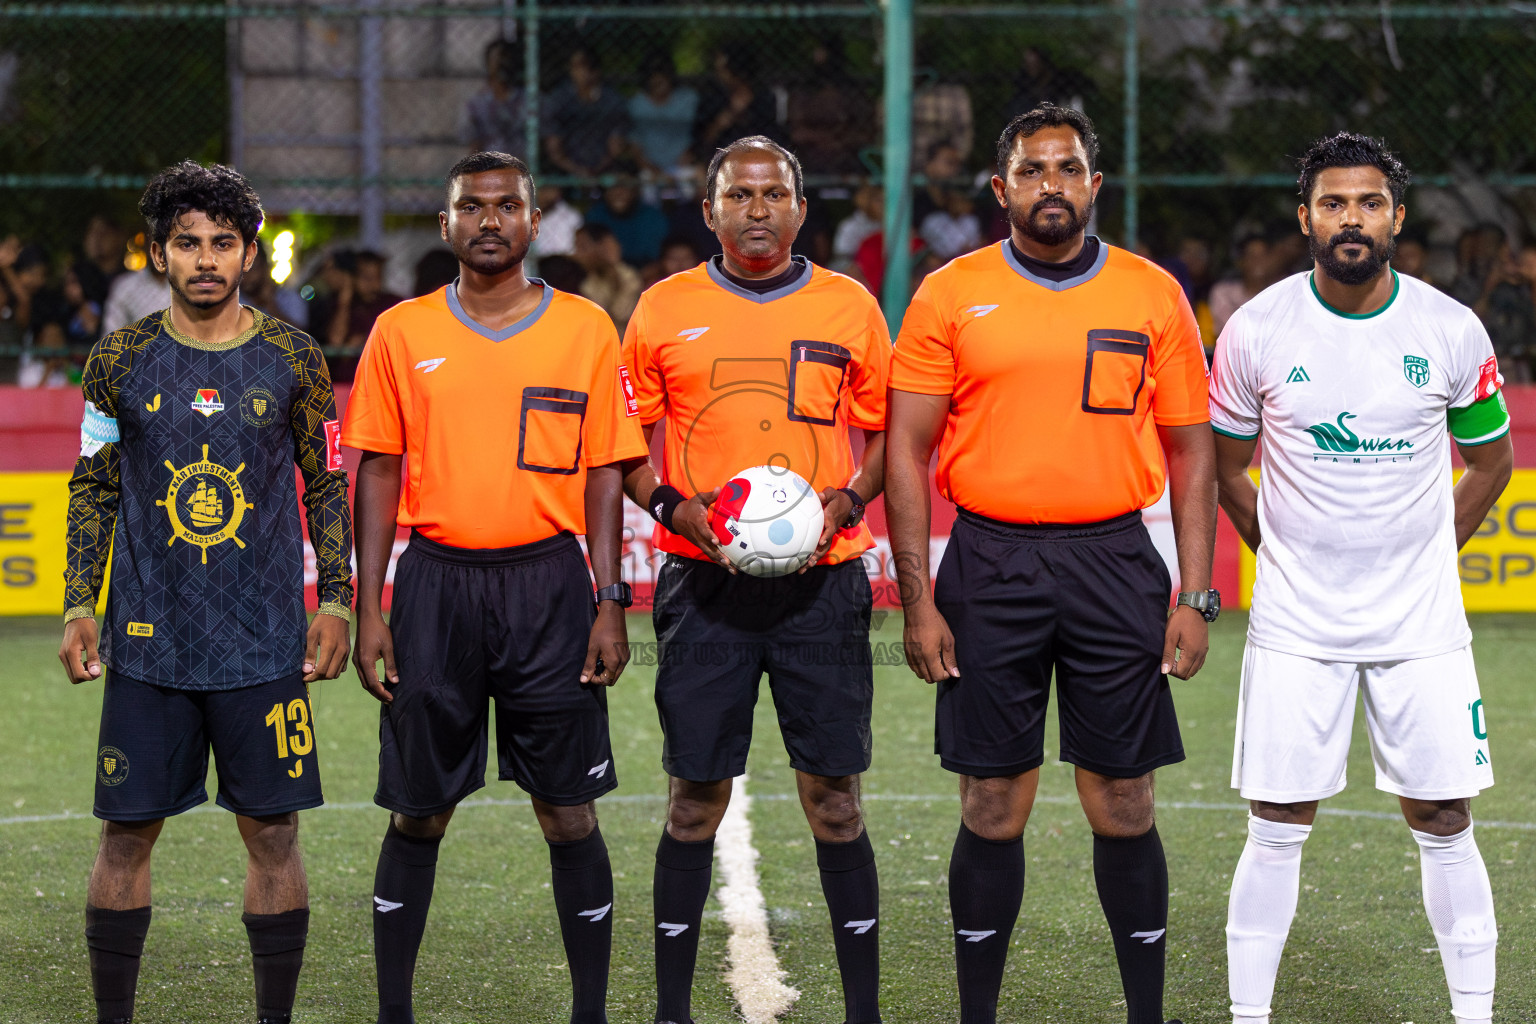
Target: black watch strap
(621, 593)
(856, 515)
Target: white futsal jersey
(1358, 555)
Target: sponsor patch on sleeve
(1488, 378)
(97, 430)
(332, 445)
(631, 403)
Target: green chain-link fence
(356, 108)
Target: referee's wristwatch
(620, 593)
(1206, 602)
(857, 515)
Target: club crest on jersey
(205, 503)
(1416, 369)
(207, 401)
(258, 407)
(111, 766)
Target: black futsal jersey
(186, 475)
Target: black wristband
(664, 501)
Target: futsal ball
(767, 520)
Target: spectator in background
(953, 229)
(496, 117)
(436, 269)
(134, 296)
(1040, 81)
(686, 218)
(677, 255)
(358, 300)
(558, 223)
(661, 117)
(733, 104)
(85, 294)
(1255, 272)
(943, 169)
(941, 111)
(637, 225)
(1507, 308)
(562, 273)
(23, 272)
(609, 281)
(45, 363)
(1478, 256)
(586, 120)
(865, 220)
(104, 246)
(1412, 258)
(831, 117)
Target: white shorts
(1429, 736)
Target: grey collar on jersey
(1055, 286)
(718, 276)
(506, 332)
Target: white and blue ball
(768, 520)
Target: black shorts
(1088, 601)
(719, 633)
(502, 625)
(153, 756)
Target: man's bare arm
(1489, 467)
(377, 495)
(1238, 493)
(914, 423)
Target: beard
(1055, 231)
(494, 261)
(201, 300)
(1377, 255)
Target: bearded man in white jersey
(1352, 374)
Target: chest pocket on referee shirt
(816, 371)
(1116, 371)
(549, 430)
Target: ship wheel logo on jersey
(205, 504)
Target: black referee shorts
(719, 633)
(152, 758)
(1088, 601)
(502, 626)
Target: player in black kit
(194, 419)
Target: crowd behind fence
(346, 113)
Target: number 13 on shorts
(300, 741)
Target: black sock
(986, 888)
(402, 893)
(115, 939)
(277, 953)
(1132, 876)
(583, 882)
(681, 886)
(852, 890)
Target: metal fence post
(530, 19)
(898, 159)
(1132, 124)
(370, 103)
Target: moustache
(1053, 203)
(1351, 236)
(493, 239)
(206, 279)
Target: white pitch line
(904, 798)
(756, 980)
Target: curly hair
(1350, 149)
(1047, 115)
(220, 192)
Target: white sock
(1265, 886)
(1459, 904)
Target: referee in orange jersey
(504, 400)
(1061, 372)
(759, 357)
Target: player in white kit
(1352, 374)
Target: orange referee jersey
(497, 427)
(1056, 388)
(744, 379)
